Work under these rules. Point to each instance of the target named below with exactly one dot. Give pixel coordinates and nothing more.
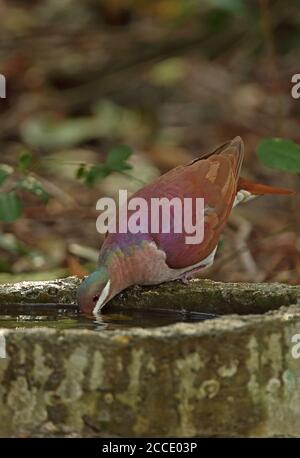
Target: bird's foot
(185, 279)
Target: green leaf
(10, 206)
(81, 171)
(117, 157)
(24, 162)
(34, 186)
(280, 153)
(95, 174)
(115, 162)
(5, 171)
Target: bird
(147, 258)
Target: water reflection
(63, 319)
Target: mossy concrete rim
(198, 295)
(232, 376)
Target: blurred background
(168, 78)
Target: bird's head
(94, 292)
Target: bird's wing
(213, 177)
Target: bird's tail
(258, 189)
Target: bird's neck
(131, 263)
(121, 266)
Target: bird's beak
(102, 299)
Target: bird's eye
(95, 298)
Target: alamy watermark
(2, 87)
(154, 215)
(296, 88)
(295, 351)
(2, 345)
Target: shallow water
(63, 319)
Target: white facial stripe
(102, 298)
